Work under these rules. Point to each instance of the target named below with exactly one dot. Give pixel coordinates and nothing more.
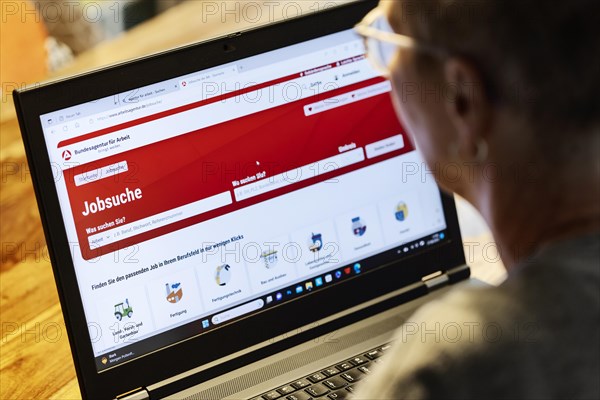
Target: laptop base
(307, 358)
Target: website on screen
(223, 193)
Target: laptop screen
(207, 198)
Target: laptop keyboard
(332, 383)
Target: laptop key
(272, 395)
(317, 390)
(330, 371)
(334, 382)
(316, 377)
(287, 389)
(339, 395)
(344, 366)
(350, 388)
(352, 375)
(358, 360)
(299, 396)
(365, 368)
(300, 384)
(385, 348)
(373, 354)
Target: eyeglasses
(382, 42)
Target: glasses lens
(381, 53)
(386, 51)
(374, 55)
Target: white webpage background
(361, 192)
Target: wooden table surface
(35, 360)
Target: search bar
(156, 221)
(347, 98)
(238, 311)
(299, 174)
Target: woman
(506, 92)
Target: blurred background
(66, 28)
(41, 37)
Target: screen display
(214, 196)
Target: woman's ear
(468, 108)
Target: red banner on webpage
(153, 190)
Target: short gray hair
(540, 57)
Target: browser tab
(213, 76)
(140, 94)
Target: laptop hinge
(439, 279)
(136, 394)
(435, 280)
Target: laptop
(240, 218)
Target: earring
(481, 154)
(453, 151)
(482, 151)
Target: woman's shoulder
(562, 278)
(553, 293)
(539, 325)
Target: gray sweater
(536, 336)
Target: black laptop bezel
(31, 103)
